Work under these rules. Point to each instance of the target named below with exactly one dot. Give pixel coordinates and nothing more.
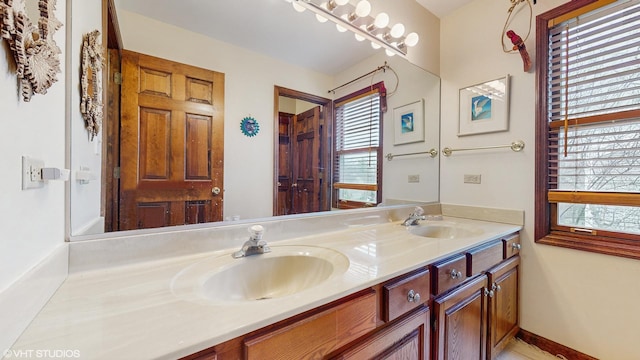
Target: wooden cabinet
(461, 322)
(318, 334)
(503, 305)
(405, 339)
(476, 319)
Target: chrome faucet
(255, 245)
(413, 218)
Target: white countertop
(130, 312)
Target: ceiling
(270, 27)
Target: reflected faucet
(255, 245)
(414, 217)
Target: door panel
(307, 168)
(171, 143)
(285, 157)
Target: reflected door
(307, 166)
(172, 146)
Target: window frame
(348, 204)
(610, 243)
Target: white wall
(87, 16)
(32, 221)
(585, 301)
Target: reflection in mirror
(250, 172)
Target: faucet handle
(418, 211)
(256, 232)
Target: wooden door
(112, 143)
(461, 325)
(503, 306)
(171, 143)
(284, 198)
(307, 166)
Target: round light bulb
(321, 18)
(382, 20)
(298, 7)
(375, 46)
(342, 28)
(411, 39)
(389, 52)
(397, 30)
(363, 8)
(358, 36)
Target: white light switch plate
(31, 173)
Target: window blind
(357, 143)
(593, 63)
(593, 84)
(593, 111)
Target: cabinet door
(461, 328)
(404, 339)
(503, 305)
(314, 336)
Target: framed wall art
(484, 107)
(409, 123)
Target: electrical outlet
(472, 179)
(413, 178)
(32, 173)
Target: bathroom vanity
(363, 287)
(473, 294)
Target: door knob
(215, 190)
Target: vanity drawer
(405, 293)
(481, 258)
(449, 273)
(511, 246)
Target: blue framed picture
(484, 107)
(409, 123)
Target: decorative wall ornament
(91, 82)
(36, 54)
(249, 126)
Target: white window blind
(357, 142)
(593, 93)
(593, 63)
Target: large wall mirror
(251, 43)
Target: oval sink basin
(444, 231)
(285, 271)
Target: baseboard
(552, 347)
(23, 300)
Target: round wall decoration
(249, 126)
(36, 53)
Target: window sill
(597, 244)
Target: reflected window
(358, 151)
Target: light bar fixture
(359, 20)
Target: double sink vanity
(365, 287)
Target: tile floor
(520, 350)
